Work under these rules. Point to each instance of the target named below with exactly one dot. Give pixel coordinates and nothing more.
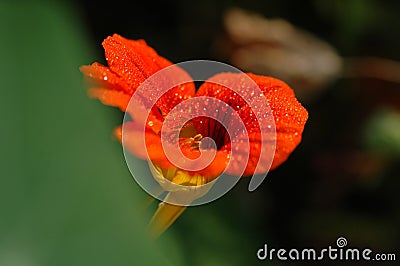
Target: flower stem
(163, 218)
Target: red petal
(216, 167)
(133, 140)
(289, 115)
(221, 90)
(289, 118)
(102, 77)
(135, 61)
(130, 64)
(236, 164)
(109, 97)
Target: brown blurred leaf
(277, 48)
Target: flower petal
(220, 86)
(102, 76)
(289, 117)
(133, 137)
(115, 98)
(130, 64)
(135, 61)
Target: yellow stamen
(194, 142)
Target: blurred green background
(66, 195)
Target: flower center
(217, 132)
(194, 131)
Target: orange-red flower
(131, 62)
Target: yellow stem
(163, 218)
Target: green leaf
(66, 196)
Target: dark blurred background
(67, 197)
